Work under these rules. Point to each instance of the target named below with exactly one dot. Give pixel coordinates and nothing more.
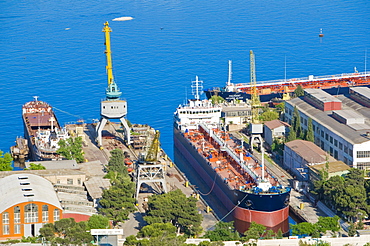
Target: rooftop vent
(28, 195)
(23, 177)
(25, 183)
(27, 189)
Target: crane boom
(112, 92)
(255, 99)
(152, 155)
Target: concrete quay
(174, 178)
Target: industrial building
(341, 125)
(27, 203)
(274, 129)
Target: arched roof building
(27, 202)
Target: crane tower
(256, 128)
(112, 107)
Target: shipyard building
(27, 203)
(341, 124)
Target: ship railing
(304, 79)
(229, 151)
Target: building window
(58, 181)
(17, 229)
(346, 149)
(45, 213)
(31, 213)
(70, 181)
(17, 215)
(363, 154)
(340, 146)
(56, 214)
(5, 223)
(335, 143)
(326, 136)
(336, 154)
(331, 139)
(350, 152)
(331, 151)
(322, 134)
(79, 181)
(6, 230)
(363, 165)
(6, 218)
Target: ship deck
(229, 170)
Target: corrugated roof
(321, 95)
(275, 124)
(309, 151)
(35, 188)
(336, 166)
(96, 185)
(324, 118)
(365, 91)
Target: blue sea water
(55, 50)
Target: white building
(344, 134)
(274, 129)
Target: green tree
(292, 135)
(352, 230)
(98, 222)
(66, 232)
(280, 108)
(224, 231)
(217, 99)
(34, 166)
(5, 161)
(310, 134)
(298, 92)
(118, 201)
(71, 149)
(157, 229)
(176, 208)
(328, 224)
(269, 115)
(255, 231)
(297, 123)
(304, 228)
(116, 162)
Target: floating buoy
(321, 34)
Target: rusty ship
(268, 90)
(42, 131)
(247, 190)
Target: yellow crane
(152, 154)
(112, 92)
(255, 99)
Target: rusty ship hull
(270, 210)
(42, 131)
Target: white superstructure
(189, 116)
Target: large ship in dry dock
(245, 187)
(42, 130)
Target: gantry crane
(148, 170)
